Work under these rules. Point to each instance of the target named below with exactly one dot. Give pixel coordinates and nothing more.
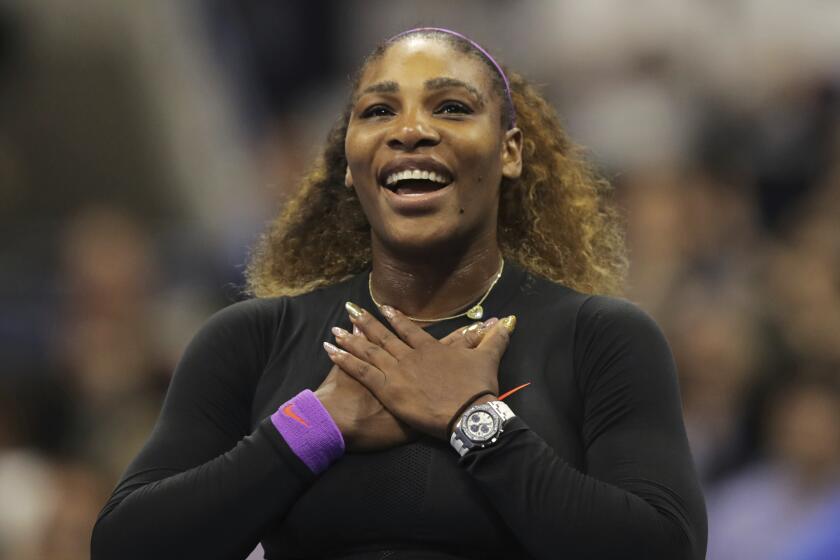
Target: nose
(412, 131)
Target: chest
(417, 491)
(550, 404)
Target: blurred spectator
(718, 351)
(29, 497)
(768, 509)
(106, 339)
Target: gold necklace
(474, 312)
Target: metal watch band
(461, 443)
(504, 410)
(458, 444)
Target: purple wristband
(309, 430)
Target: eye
(376, 111)
(454, 108)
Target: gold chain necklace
(474, 312)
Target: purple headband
(511, 108)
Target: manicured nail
(356, 330)
(332, 349)
(491, 321)
(388, 311)
(339, 332)
(509, 322)
(354, 310)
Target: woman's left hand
(418, 378)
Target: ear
(512, 154)
(348, 178)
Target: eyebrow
(444, 83)
(430, 85)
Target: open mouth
(415, 182)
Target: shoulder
(615, 324)
(256, 313)
(269, 313)
(226, 354)
(261, 322)
(248, 324)
(615, 335)
(591, 315)
(320, 302)
(588, 310)
(606, 313)
(547, 297)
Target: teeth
(414, 174)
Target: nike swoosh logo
(287, 410)
(512, 391)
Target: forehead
(418, 58)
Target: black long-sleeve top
(595, 465)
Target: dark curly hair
(556, 220)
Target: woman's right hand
(364, 423)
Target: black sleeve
(638, 496)
(203, 486)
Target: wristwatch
(480, 426)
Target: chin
(416, 237)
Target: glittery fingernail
(332, 349)
(354, 310)
(509, 322)
(339, 332)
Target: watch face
(480, 426)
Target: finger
(368, 375)
(358, 332)
(364, 350)
(497, 338)
(376, 332)
(465, 337)
(405, 327)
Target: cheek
(357, 150)
(482, 166)
(480, 146)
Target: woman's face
(425, 148)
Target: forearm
(218, 509)
(550, 506)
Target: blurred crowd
(143, 146)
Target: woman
(447, 193)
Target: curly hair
(556, 220)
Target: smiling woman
(554, 219)
(551, 428)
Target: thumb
(496, 341)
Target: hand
(364, 423)
(419, 379)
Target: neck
(429, 286)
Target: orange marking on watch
(512, 391)
(287, 410)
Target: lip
(416, 203)
(423, 163)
